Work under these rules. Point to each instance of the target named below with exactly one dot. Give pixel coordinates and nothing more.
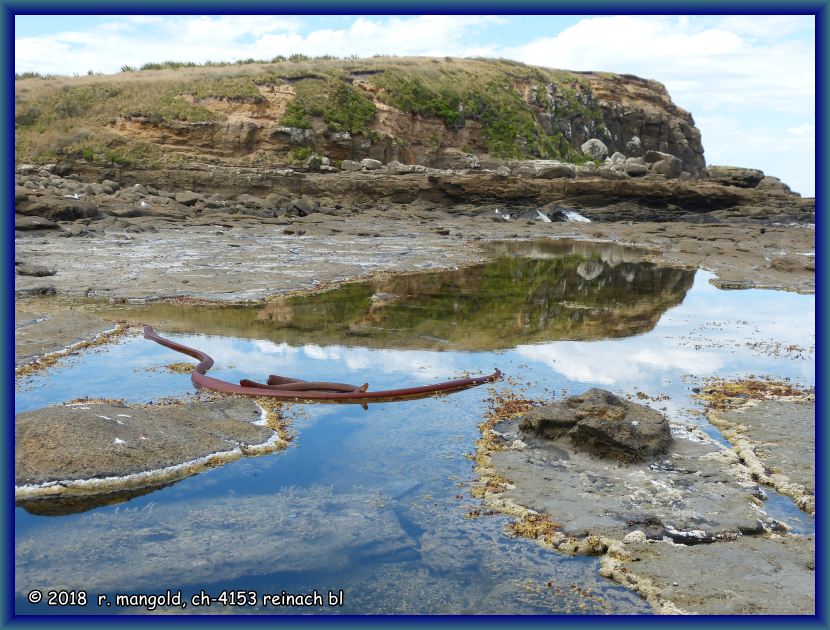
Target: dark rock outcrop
(29, 269)
(32, 223)
(735, 176)
(639, 116)
(57, 208)
(604, 425)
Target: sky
(749, 81)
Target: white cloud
(257, 358)
(785, 152)
(139, 39)
(701, 62)
(804, 131)
(745, 80)
(599, 362)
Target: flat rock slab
(25, 223)
(96, 440)
(752, 575)
(690, 495)
(783, 436)
(37, 333)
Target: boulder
(532, 214)
(396, 168)
(471, 161)
(616, 158)
(556, 171)
(735, 176)
(603, 424)
(61, 209)
(35, 271)
(303, 207)
(275, 200)
(371, 165)
(586, 170)
(595, 149)
(110, 186)
(249, 201)
(351, 166)
(526, 170)
(314, 162)
(28, 223)
(635, 170)
(606, 172)
(655, 156)
(456, 159)
(634, 146)
(768, 183)
(667, 165)
(188, 198)
(788, 264)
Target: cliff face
(640, 116)
(425, 111)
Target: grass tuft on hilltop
(75, 116)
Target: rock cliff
(434, 112)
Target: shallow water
(375, 502)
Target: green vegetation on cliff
(519, 110)
(341, 106)
(509, 301)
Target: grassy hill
(402, 108)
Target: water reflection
(64, 504)
(375, 501)
(531, 292)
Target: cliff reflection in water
(531, 292)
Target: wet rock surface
(604, 425)
(96, 440)
(690, 495)
(38, 332)
(748, 576)
(776, 439)
(785, 433)
(234, 235)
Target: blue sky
(749, 81)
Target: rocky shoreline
(121, 240)
(87, 237)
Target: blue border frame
(407, 7)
